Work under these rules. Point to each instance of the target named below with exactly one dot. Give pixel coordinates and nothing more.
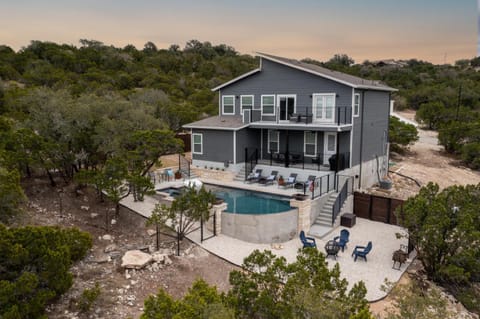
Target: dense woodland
(100, 115)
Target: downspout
(361, 140)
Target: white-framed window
(246, 102)
(323, 107)
(310, 143)
(197, 143)
(273, 141)
(228, 104)
(268, 104)
(356, 105)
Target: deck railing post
(201, 229)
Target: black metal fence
(340, 115)
(251, 160)
(322, 185)
(319, 161)
(184, 166)
(344, 186)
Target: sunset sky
(432, 30)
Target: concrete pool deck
(372, 273)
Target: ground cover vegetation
(443, 225)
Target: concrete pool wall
(261, 229)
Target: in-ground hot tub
(257, 217)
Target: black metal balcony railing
(320, 161)
(339, 115)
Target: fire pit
(332, 248)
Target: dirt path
(427, 162)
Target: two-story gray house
(295, 115)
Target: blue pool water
(241, 201)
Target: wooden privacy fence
(376, 208)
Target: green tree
(401, 134)
(268, 287)
(11, 194)
(414, 301)
(189, 207)
(34, 264)
(431, 113)
(443, 226)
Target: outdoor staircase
(322, 225)
(240, 177)
(324, 218)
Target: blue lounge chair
(342, 240)
(362, 251)
(307, 241)
(269, 180)
(254, 177)
(292, 179)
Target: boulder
(107, 237)
(135, 259)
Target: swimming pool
(240, 201)
(251, 216)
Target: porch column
(287, 153)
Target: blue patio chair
(307, 241)
(254, 177)
(362, 251)
(342, 240)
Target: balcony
(336, 118)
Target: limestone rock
(107, 237)
(135, 259)
(151, 232)
(110, 248)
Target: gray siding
(217, 145)
(375, 112)
(247, 138)
(280, 79)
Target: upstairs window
(197, 141)
(268, 104)
(356, 105)
(246, 102)
(228, 104)
(323, 107)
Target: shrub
(88, 298)
(34, 264)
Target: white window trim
(223, 105)
(201, 143)
(261, 103)
(314, 95)
(241, 103)
(294, 103)
(305, 144)
(358, 110)
(268, 141)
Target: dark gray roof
(340, 77)
(229, 122)
(348, 79)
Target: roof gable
(336, 76)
